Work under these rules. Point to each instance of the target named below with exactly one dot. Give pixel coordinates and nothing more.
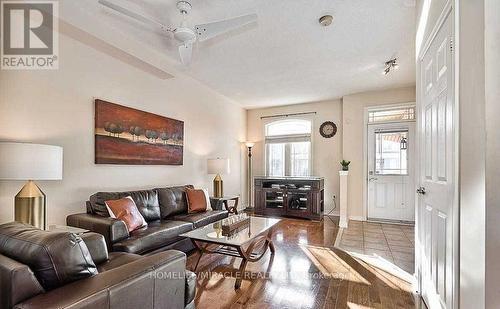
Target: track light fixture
(390, 65)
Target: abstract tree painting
(125, 135)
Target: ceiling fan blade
(213, 29)
(185, 52)
(134, 15)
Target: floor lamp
(24, 161)
(249, 173)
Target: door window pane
(391, 153)
(387, 115)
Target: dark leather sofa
(44, 269)
(164, 209)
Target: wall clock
(328, 129)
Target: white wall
(492, 110)
(472, 171)
(56, 107)
(327, 152)
(353, 110)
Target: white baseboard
(357, 218)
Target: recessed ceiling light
(326, 20)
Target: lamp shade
(249, 144)
(218, 166)
(24, 161)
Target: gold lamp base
(30, 207)
(218, 187)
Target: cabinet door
(259, 201)
(298, 203)
(317, 203)
(274, 201)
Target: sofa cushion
(56, 258)
(156, 235)
(146, 200)
(173, 200)
(202, 218)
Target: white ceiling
(286, 57)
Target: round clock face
(328, 129)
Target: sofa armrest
(112, 229)
(190, 289)
(97, 247)
(17, 282)
(155, 281)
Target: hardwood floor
(306, 272)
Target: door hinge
(451, 45)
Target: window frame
(408, 107)
(287, 140)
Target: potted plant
(345, 165)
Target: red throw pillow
(196, 200)
(126, 210)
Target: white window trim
(389, 107)
(311, 149)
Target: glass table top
(213, 232)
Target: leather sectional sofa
(164, 209)
(45, 269)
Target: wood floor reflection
(306, 272)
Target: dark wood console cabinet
(301, 197)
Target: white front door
(391, 172)
(436, 119)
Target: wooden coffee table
(250, 243)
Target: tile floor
(395, 243)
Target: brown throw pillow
(196, 200)
(126, 210)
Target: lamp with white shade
(25, 161)
(218, 166)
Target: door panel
(390, 172)
(437, 171)
(441, 137)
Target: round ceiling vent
(326, 20)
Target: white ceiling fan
(183, 33)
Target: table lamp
(218, 166)
(24, 161)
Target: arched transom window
(288, 147)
